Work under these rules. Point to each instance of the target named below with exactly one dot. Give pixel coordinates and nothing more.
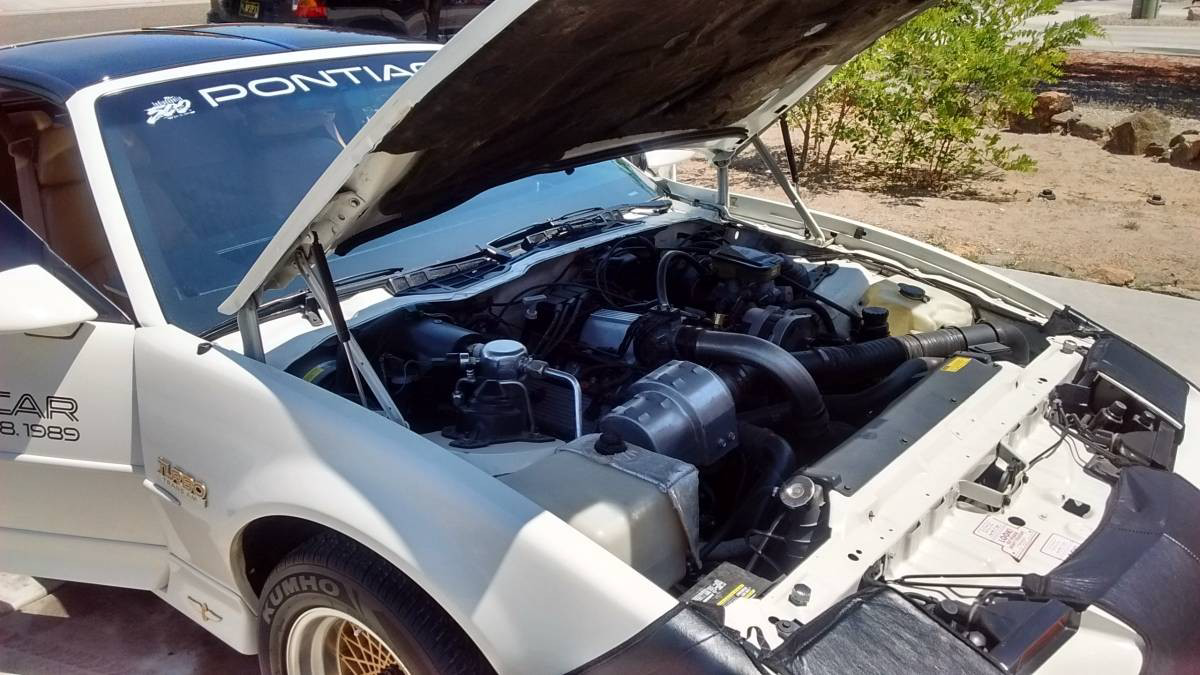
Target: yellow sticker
(956, 364)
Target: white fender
(534, 594)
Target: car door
(72, 501)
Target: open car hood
(531, 86)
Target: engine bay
(716, 348)
(701, 398)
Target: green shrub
(920, 101)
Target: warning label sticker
(956, 364)
(1013, 540)
(722, 593)
(1058, 546)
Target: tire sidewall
(294, 589)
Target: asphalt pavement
(1148, 37)
(1172, 40)
(29, 20)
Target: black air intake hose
(884, 354)
(876, 397)
(810, 417)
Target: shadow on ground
(96, 629)
(1169, 84)
(861, 175)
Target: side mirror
(663, 162)
(35, 301)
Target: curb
(17, 591)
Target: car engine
(685, 396)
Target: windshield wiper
(582, 222)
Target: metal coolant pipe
(576, 393)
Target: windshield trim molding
(81, 108)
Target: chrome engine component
(500, 359)
(682, 410)
(493, 400)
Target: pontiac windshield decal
(172, 107)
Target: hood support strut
(814, 231)
(314, 267)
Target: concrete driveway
(83, 629)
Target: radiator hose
(809, 417)
(885, 354)
(773, 461)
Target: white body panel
(269, 444)
(71, 501)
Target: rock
(1066, 120)
(1023, 124)
(1189, 135)
(1045, 107)
(996, 259)
(1155, 150)
(1091, 128)
(1193, 13)
(1186, 151)
(1111, 275)
(1051, 103)
(1043, 266)
(1131, 135)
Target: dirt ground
(1100, 225)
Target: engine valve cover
(682, 410)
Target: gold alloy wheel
(325, 641)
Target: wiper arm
(583, 221)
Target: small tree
(921, 99)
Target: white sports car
(429, 378)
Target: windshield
(209, 167)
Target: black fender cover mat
(874, 631)
(1142, 565)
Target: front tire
(333, 607)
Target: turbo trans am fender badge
(183, 482)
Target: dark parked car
(428, 19)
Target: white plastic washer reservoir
(916, 307)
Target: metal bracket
(722, 160)
(814, 231)
(981, 494)
(364, 373)
(247, 321)
(992, 498)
